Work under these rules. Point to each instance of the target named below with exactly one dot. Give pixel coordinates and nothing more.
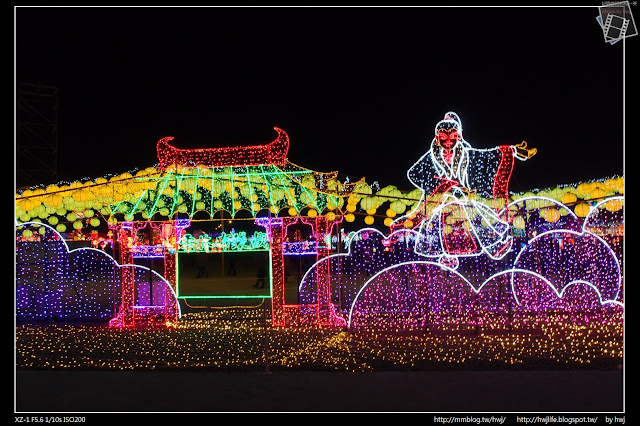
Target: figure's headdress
(447, 126)
(453, 116)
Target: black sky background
(358, 89)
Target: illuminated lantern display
(236, 180)
(461, 251)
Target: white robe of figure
(459, 225)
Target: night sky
(358, 89)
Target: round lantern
(398, 207)
(368, 220)
(552, 215)
(613, 205)
(582, 210)
(597, 193)
(569, 198)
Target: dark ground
(586, 391)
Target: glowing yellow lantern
(349, 217)
(408, 223)
(613, 205)
(391, 213)
(331, 216)
(53, 200)
(552, 215)
(597, 193)
(368, 220)
(569, 198)
(293, 211)
(388, 221)
(312, 213)
(610, 185)
(582, 210)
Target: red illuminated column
(170, 275)
(326, 311)
(125, 234)
(274, 227)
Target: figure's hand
(524, 153)
(469, 192)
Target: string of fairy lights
(233, 340)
